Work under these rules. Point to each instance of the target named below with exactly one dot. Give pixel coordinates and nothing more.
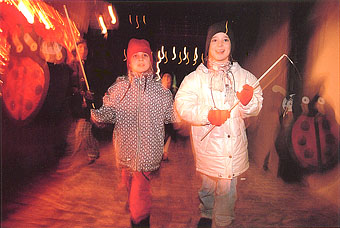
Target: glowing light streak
(44, 20)
(166, 57)
(29, 14)
(61, 21)
(3, 55)
(185, 53)
(102, 24)
(125, 58)
(43, 13)
(74, 27)
(174, 53)
(77, 51)
(195, 57)
(137, 27)
(130, 19)
(180, 57)
(162, 51)
(157, 64)
(144, 19)
(113, 17)
(202, 58)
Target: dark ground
(80, 195)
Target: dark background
(183, 24)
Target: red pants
(139, 194)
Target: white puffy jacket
(223, 153)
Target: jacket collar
(205, 70)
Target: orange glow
(166, 57)
(144, 19)
(322, 67)
(125, 58)
(137, 22)
(195, 57)
(187, 56)
(202, 58)
(180, 58)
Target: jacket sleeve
(169, 109)
(187, 102)
(107, 112)
(255, 105)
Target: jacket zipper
(138, 125)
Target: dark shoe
(145, 223)
(165, 159)
(92, 159)
(204, 223)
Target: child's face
(140, 62)
(220, 47)
(82, 48)
(166, 81)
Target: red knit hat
(136, 45)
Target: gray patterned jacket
(139, 111)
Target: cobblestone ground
(80, 195)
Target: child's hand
(246, 94)
(218, 117)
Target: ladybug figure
(313, 141)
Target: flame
(158, 62)
(185, 53)
(162, 51)
(125, 55)
(44, 20)
(113, 17)
(166, 57)
(102, 24)
(180, 57)
(187, 56)
(26, 10)
(195, 57)
(174, 53)
(137, 22)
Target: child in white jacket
(204, 99)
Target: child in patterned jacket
(139, 106)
